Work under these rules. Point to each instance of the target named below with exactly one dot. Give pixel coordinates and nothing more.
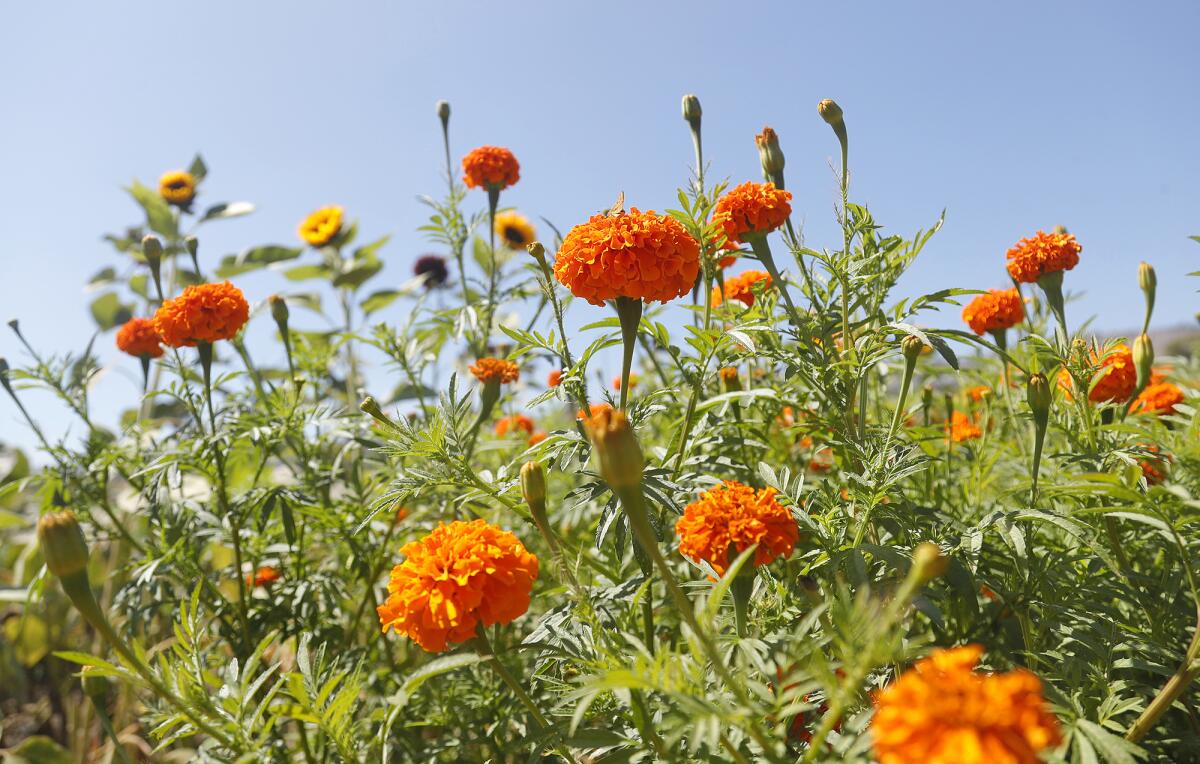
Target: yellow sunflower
(177, 187)
(514, 229)
(319, 228)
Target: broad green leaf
(159, 216)
(109, 312)
(227, 210)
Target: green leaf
(379, 300)
(38, 749)
(29, 637)
(305, 272)
(227, 210)
(255, 258)
(198, 169)
(356, 272)
(109, 311)
(158, 213)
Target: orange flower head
(321, 226)
(137, 337)
(641, 255)
(458, 577)
(1043, 253)
(555, 378)
(752, 208)
(490, 167)
(203, 313)
(495, 370)
(942, 711)
(537, 437)
(514, 423)
(735, 515)
(633, 380)
(728, 372)
(1118, 377)
(595, 410)
(1156, 466)
(177, 187)
(740, 286)
(962, 428)
(995, 311)
(978, 393)
(264, 575)
(1158, 399)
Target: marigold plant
(730, 518)
(203, 313)
(1043, 253)
(741, 287)
(752, 208)
(995, 311)
(138, 337)
(495, 370)
(492, 167)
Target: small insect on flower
(962, 428)
(177, 188)
(203, 313)
(942, 710)
(490, 167)
(734, 514)
(512, 424)
(1160, 398)
(995, 311)
(495, 370)
(139, 338)
(321, 226)
(640, 255)
(433, 269)
(741, 287)
(514, 230)
(1030, 259)
(751, 208)
(453, 580)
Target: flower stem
(629, 312)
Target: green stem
(762, 250)
(629, 312)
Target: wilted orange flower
(514, 422)
(177, 187)
(1158, 399)
(263, 576)
(752, 208)
(962, 428)
(978, 392)
(633, 380)
(1043, 253)
(941, 711)
(490, 167)
(995, 311)
(739, 287)
(459, 576)
(203, 313)
(555, 378)
(1117, 378)
(735, 514)
(137, 337)
(595, 410)
(641, 255)
(319, 228)
(537, 437)
(495, 369)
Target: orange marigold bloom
(138, 337)
(490, 167)
(978, 392)
(633, 380)
(641, 255)
(1043, 253)
(752, 208)
(733, 514)
(203, 313)
(537, 437)
(595, 410)
(459, 576)
(1158, 399)
(319, 228)
(728, 372)
(1155, 467)
(514, 423)
(1118, 377)
(739, 287)
(962, 428)
(263, 576)
(555, 378)
(493, 369)
(995, 311)
(177, 187)
(941, 711)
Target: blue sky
(1012, 116)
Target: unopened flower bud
(279, 311)
(770, 155)
(830, 112)
(62, 543)
(533, 483)
(912, 347)
(443, 111)
(929, 562)
(691, 109)
(370, 406)
(1147, 279)
(94, 684)
(1039, 396)
(537, 251)
(616, 447)
(927, 396)
(1060, 229)
(1143, 359)
(152, 250)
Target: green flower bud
(279, 311)
(929, 562)
(616, 448)
(443, 111)
(533, 483)
(1039, 395)
(691, 109)
(912, 346)
(63, 546)
(830, 112)
(370, 406)
(1143, 359)
(770, 155)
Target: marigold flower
(513, 423)
(941, 711)
(491, 369)
(1117, 378)
(263, 576)
(554, 379)
(1156, 466)
(1158, 399)
(490, 167)
(728, 372)
(995, 311)
(594, 411)
(1030, 259)
(203, 313)
(641, 255)
(733, 514)
(433, 268)
(459, 576)
(752, 208)
(537, 437)
(962, 428)
(138, 337)
(633, 380)
(978, 392)
(514, 229)
(739, 287)
(321, 226)
(177, 187)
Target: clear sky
(1012, 116)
